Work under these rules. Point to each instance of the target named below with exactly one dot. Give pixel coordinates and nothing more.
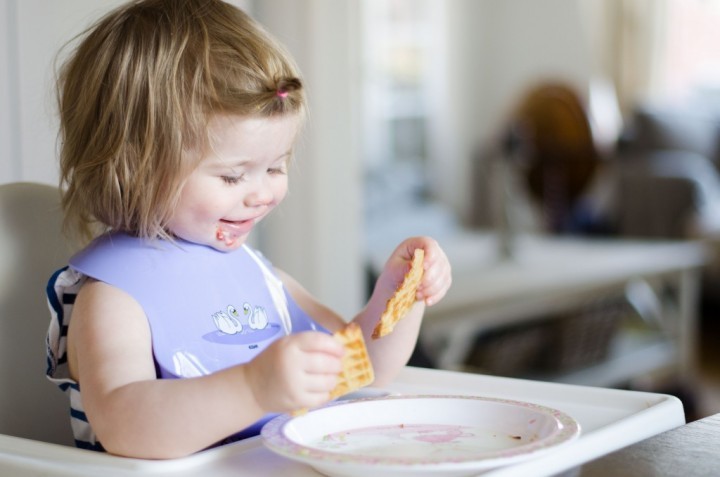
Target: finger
(322, 364)
(318, 342)
(435, 289)
(314, 400)
(435, 275)
(435, 257)
(321, 383)
(406, 249)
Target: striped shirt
(62, 289)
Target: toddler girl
(178, 122)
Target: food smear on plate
(413, 440)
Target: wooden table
(690, 450)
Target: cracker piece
(403, 299)
(357, 369)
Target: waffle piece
(357, 369)
(403, 299)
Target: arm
(390, 353)
(135, 414)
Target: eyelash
(232, 180)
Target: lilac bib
(207, 310)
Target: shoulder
(106, 323)
(107, 308)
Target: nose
(260, 194)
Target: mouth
(229, 231)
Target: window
(398, 58)
(690, 65)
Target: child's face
(238, 183)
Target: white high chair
(35, 434)
(31, 249)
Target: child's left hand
(437, 275)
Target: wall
(495, 50)
(315, 235)
(32, 32)
(9, 148)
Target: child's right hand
(295, 372)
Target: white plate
(410, 435)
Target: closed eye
(231, 180)
(276, 170)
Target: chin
(228, 246)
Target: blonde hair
(136, 97)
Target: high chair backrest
(31, 249)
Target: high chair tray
(610, 419)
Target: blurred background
(594, 120)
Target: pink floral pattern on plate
(425, 432)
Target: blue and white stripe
(61, 291)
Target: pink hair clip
(282, 94)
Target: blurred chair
(31, 249)
(664, 195)
(665, 181)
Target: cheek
(281, 190)
(201, 204)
